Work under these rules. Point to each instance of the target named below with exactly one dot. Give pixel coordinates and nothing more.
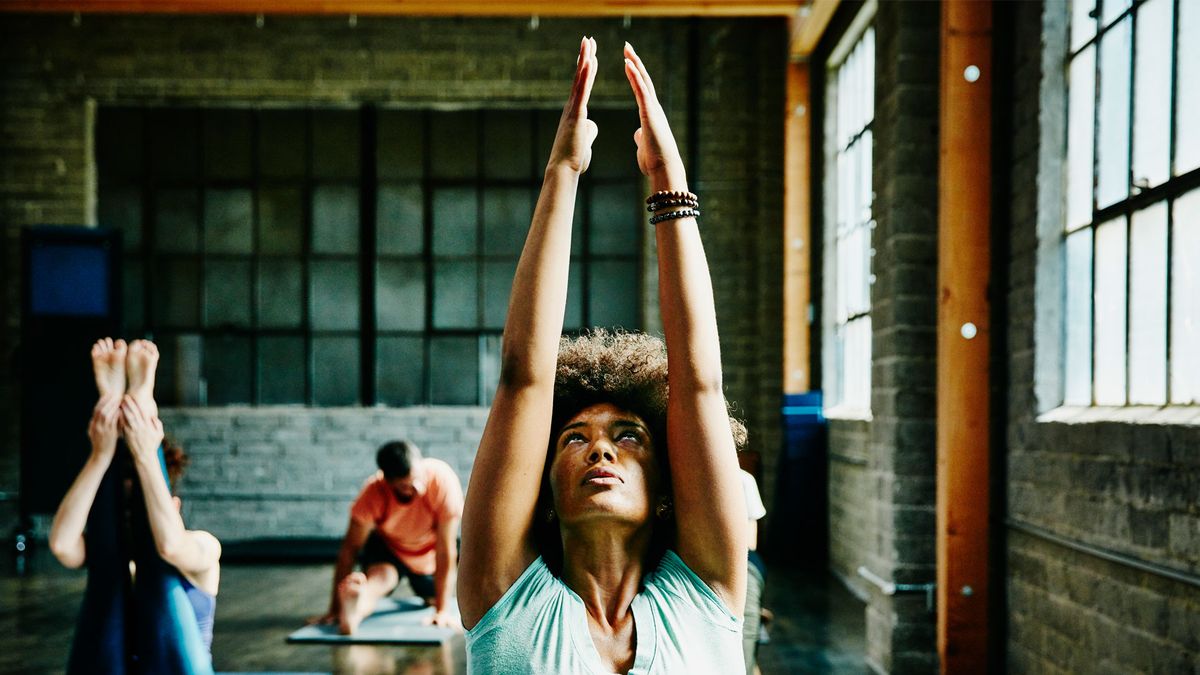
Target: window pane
(497, 287)
(616, 220)
(227, 370)
(227, 221)
(1148, 314)
(174, 137)
(280, 294)
(335, 149)
(573, 320)
(1113, 146)
(453, 144)
(400, 295)
(507, 144)
(176, 221)
(1110, 312)
(1080, 125)
(400, 220)
(227, 293)
(334, 295)
(1079, 319)
(1083, 26)
(454, 370)
(335, 369)
(1185, 308)
(856, 356)
(489, 366)
(401, 138)
(335, 219)
(455, 220)
(613, 154)
(1112, 9)
(121, 209)
(176, 293)
(281, 370)
(400, 370)
(133, 297)
(455, 295)
(227, 144)
(506, 216)
(282, 143)
(613, 294)
(118, 145)
(280, 221)
(1187, 91)
(1152, 94)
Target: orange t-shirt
(410, 530)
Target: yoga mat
(395, 621)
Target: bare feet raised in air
(140, 365)
(108, 363)
(349, 591)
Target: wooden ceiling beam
(544, 8)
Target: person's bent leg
(99, 644)
(360, 592)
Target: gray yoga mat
(399, 621)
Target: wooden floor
(819, 626)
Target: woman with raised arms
(604, 525)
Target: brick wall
(283, 472)
(53, 74)
(882, 490)
(1087, 480)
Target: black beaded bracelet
(669, 203)
(673, 215)
(663, 195)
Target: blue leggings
(126, 627)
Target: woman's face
(604, 467)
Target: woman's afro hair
(623, 368)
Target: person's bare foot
(349, 591)
(108, 363)
(140, 365)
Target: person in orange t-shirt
(403, 523)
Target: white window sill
(848, 413)
(1177, 415)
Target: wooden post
(797, 242)
(964, 265)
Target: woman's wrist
(669, 179)
(561, 170)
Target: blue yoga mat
(395, 621)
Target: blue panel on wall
(69, 280)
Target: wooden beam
(545, 8)
(797, 225)
(963, 378)
(809, 25)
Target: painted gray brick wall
(293, 472)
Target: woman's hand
(104, 428)
(573, 142)
(657, 155)
(143, 433)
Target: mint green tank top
(539, 626)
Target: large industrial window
(1133, 204)
(346, 257)
(850, 111)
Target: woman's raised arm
(709, 509)
(502, 495)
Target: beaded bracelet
(673, 215)
(663, 195)
(669, 203)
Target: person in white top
(752, 617)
